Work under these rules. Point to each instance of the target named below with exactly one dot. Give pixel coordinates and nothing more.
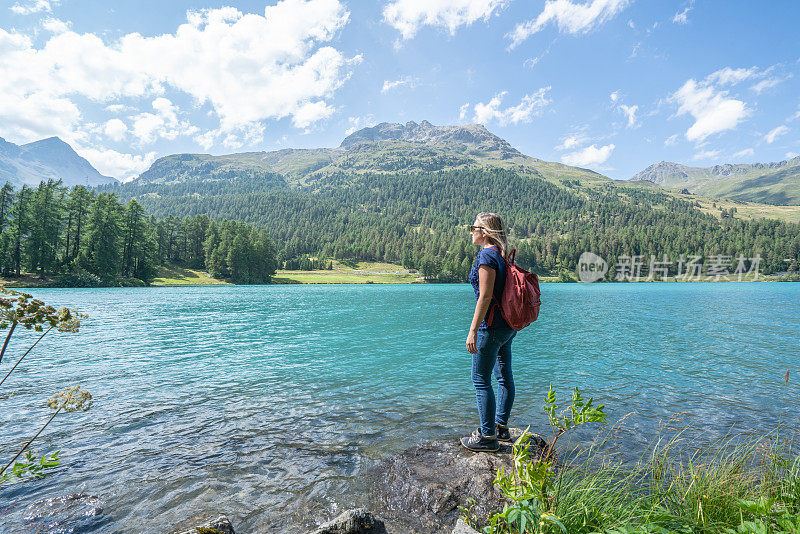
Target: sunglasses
(472, 228)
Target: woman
(489, 338)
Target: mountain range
(48, 158)
(387, 147)
(769, 183)
(403, 148)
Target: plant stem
(550, 447)
(26, 353)
(8, 337)
(30, 441)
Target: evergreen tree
(102, 253)
(136, 258)
(45, 226)
(20, 222)
(78, 206)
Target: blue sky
(613, 85)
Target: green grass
(173, 275)
(731, 487)
(365, 273)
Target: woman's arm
(486, 277)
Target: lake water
(268, 403)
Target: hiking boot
(477, 442)
(502, 432)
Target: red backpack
(521, 296)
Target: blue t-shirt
(491, 257)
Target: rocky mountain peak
(50, 158)
(473, 135)
(662, 172)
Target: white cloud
(115, 129)
(765, 84)
(775, 133)
(248, 68)
(795, 116)
(122, 166)
(34, 6)
(407, 81)
(118, 108)
(572, 141)
(671, 140)
(589, 156)
(408, 16)
(246, 134)
(712, 109)
(530, 106)
(791, 155)
(569, 16)
(683, 16)
(706, 154)
(744, 153)
(630, 113)
(55, 25)
(531, 62)
(729, 76)
(164, 123)
(357, 123)
(462, 111)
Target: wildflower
(71, 399)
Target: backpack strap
(495, 304)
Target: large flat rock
(421, 489)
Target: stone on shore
(463, 528)
(422, 488)
(204, 525)
(357, 521)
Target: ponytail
(495, 231)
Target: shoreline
(765, 278)
(363, 273)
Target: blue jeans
(494, 354)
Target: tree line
(419, 219)
(86, 237)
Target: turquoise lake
(268, 403)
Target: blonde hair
(495, 230)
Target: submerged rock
(423, 487)
(204, 525)
(357, 521)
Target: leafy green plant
(468, 513)
(529, 489)
(72, 399)
(17, 308)
(31, 467)
(579, 412)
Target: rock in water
(358, 521)
(423, 487)
(204, 525)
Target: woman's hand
(472, 339)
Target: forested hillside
(420, 219)
(90, 238)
